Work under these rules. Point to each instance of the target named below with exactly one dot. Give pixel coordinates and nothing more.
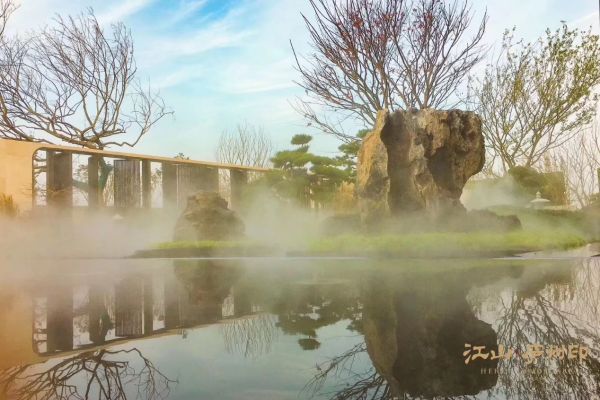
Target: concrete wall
(16, 171)
(16, 335)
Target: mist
(108, 234)
(83, 235)
(482, 194)
(279, 223)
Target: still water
(294, 329)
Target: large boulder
(207, 217)
(418, 162)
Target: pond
(300, 329)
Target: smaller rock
(207, 217)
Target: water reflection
(414, 329)
(101, 374)
(556, 315)
(84, 315)
(406, 327)
(312, 304)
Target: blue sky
(218, 63)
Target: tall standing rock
(418, 162)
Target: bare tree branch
(102, 374)
(370, 55)
(537, 97)
(75, 83)
(579, 160)
(7, 7)
(247, 145)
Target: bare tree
(370, 55)
(102, 374)
(579, 160)
(537, 96)
(250, 336)
(364, 383)
(553, 314)
(75, 83)
(247, 145)
(7, 7)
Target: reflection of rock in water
(309, 343)
(206, 285)
(416, 332)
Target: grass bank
(542, 230)
(414, 245)
(475, 244)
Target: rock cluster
(207, 217)
(418, 162)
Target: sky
(219, 63)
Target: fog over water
(289, 329)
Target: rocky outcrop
(373, 182)
(418, 161)
(206, 217)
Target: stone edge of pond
(195, 252)
(260, 251)
(253, 252)
(589, 250)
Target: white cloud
(187, 8)
(121, 10)
(179, 76)
(164, 47)
(252, 75)
(214, 37)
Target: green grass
(447, 244)
(423, 245)
(542, 230)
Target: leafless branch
(75, 83)
(579, 160)
(396, 54)
(247, 145)
(538, 96)
(7, 7)
(251, 336)
(104, 374)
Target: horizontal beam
(142, 157)
(36, 146)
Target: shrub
(550, 185)
(8, 208)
